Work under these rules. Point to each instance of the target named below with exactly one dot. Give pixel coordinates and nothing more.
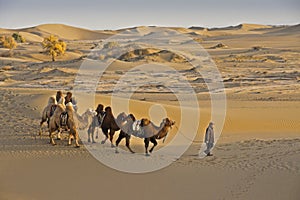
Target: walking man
(209, 138)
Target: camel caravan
(61, 115)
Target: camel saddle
(137, 129)
(63, 119)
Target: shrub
(111, 45)
(8, 42)
(54, 46)
(19, 38)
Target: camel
(96, 123)
(85, 119)
(74, 122)
(109, 125)
(148, 131)
(48, 112)
(125, 122)
(122, 120)
(151, 133)
(73, 125)
(55, 122)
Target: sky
(116, 14)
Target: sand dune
(286, 30)
(245, 27)
(71, 33)
(37, 33)
(63, 31)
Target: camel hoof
(147, 154)
(58, 138)
(117, 151)
(132, 152)
(89, 140)
(102, 142)
(112, 146)
(77, 146)
(94, 142)
(53, 144)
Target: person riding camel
(71, 99)
(59, 97)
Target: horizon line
(166, 26)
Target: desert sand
(256, 157)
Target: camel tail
(44, 115)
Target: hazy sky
(114, 14)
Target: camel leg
(41, 126)
(59, 133)
(128, 143)
(91, 132)
(70, 139)
(121, 136)
(111, 136)
(146, 141)
(153, 140)
(105, 132)
(51, 138)
(77, 139)
(97, 135)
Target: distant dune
(286, 30)
(246, 27)
(37, 33)
(66, 32)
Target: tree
(19, 38)
(54, 46)
(8, 42)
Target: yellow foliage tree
(54, 46)
(8, 42)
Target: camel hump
(69, 104)
(145, 122)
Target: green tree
(54, 46)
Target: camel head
(89, 112)
(52, 100)
(168, 122)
